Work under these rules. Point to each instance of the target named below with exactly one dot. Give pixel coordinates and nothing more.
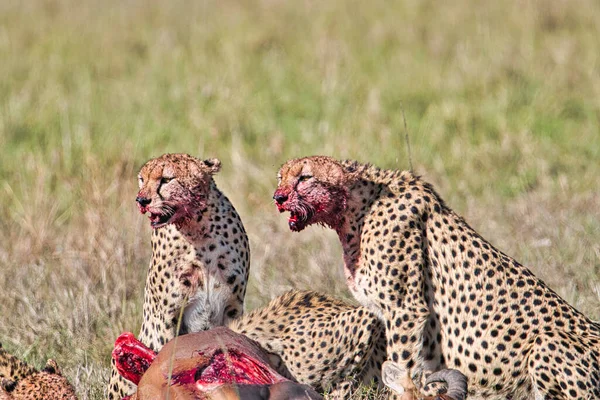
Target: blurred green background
(501, 101)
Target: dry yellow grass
(502, 101)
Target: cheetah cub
(200, 253)
(19, 380)
(448, 297)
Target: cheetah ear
(213, 165)
(392, 374)
(52, 367)
(352, 174)
(7, 385)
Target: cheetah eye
(140, 181)
(303, 178)
(164, 180)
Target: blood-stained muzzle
(142, 202)
(280, 198)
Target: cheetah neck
(196, 227)
(362, 195)
(366, 194)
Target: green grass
(501, 102)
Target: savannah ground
(502, 102)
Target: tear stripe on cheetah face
(319, 340)
(446, 293)
(199, 263)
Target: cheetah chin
(297, 221)
(160, 219)
(159, 216)
(299, 218)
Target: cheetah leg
(396, 378)
(406, 310)
(341, 391)
(233, 310)
(404, 350)
(119, 387)
(537, 395)
(152, 336)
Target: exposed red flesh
(231, 368)
(235, 367)
(200, 363)
(132, 357)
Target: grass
(501, 101)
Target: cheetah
(319, 341)
(448, 297)
(20, 381)
(200, 254)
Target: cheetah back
(319, 340)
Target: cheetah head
(313, 190)
(173, 187)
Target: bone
(396, 378)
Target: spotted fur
(448, 296)
(320, 341)
(20, 381)
(200, 253)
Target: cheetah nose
(143, 201)
(280, 198)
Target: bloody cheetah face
(173, 187)
(314, 190)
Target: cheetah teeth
(159, 219)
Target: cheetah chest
(206, 302)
